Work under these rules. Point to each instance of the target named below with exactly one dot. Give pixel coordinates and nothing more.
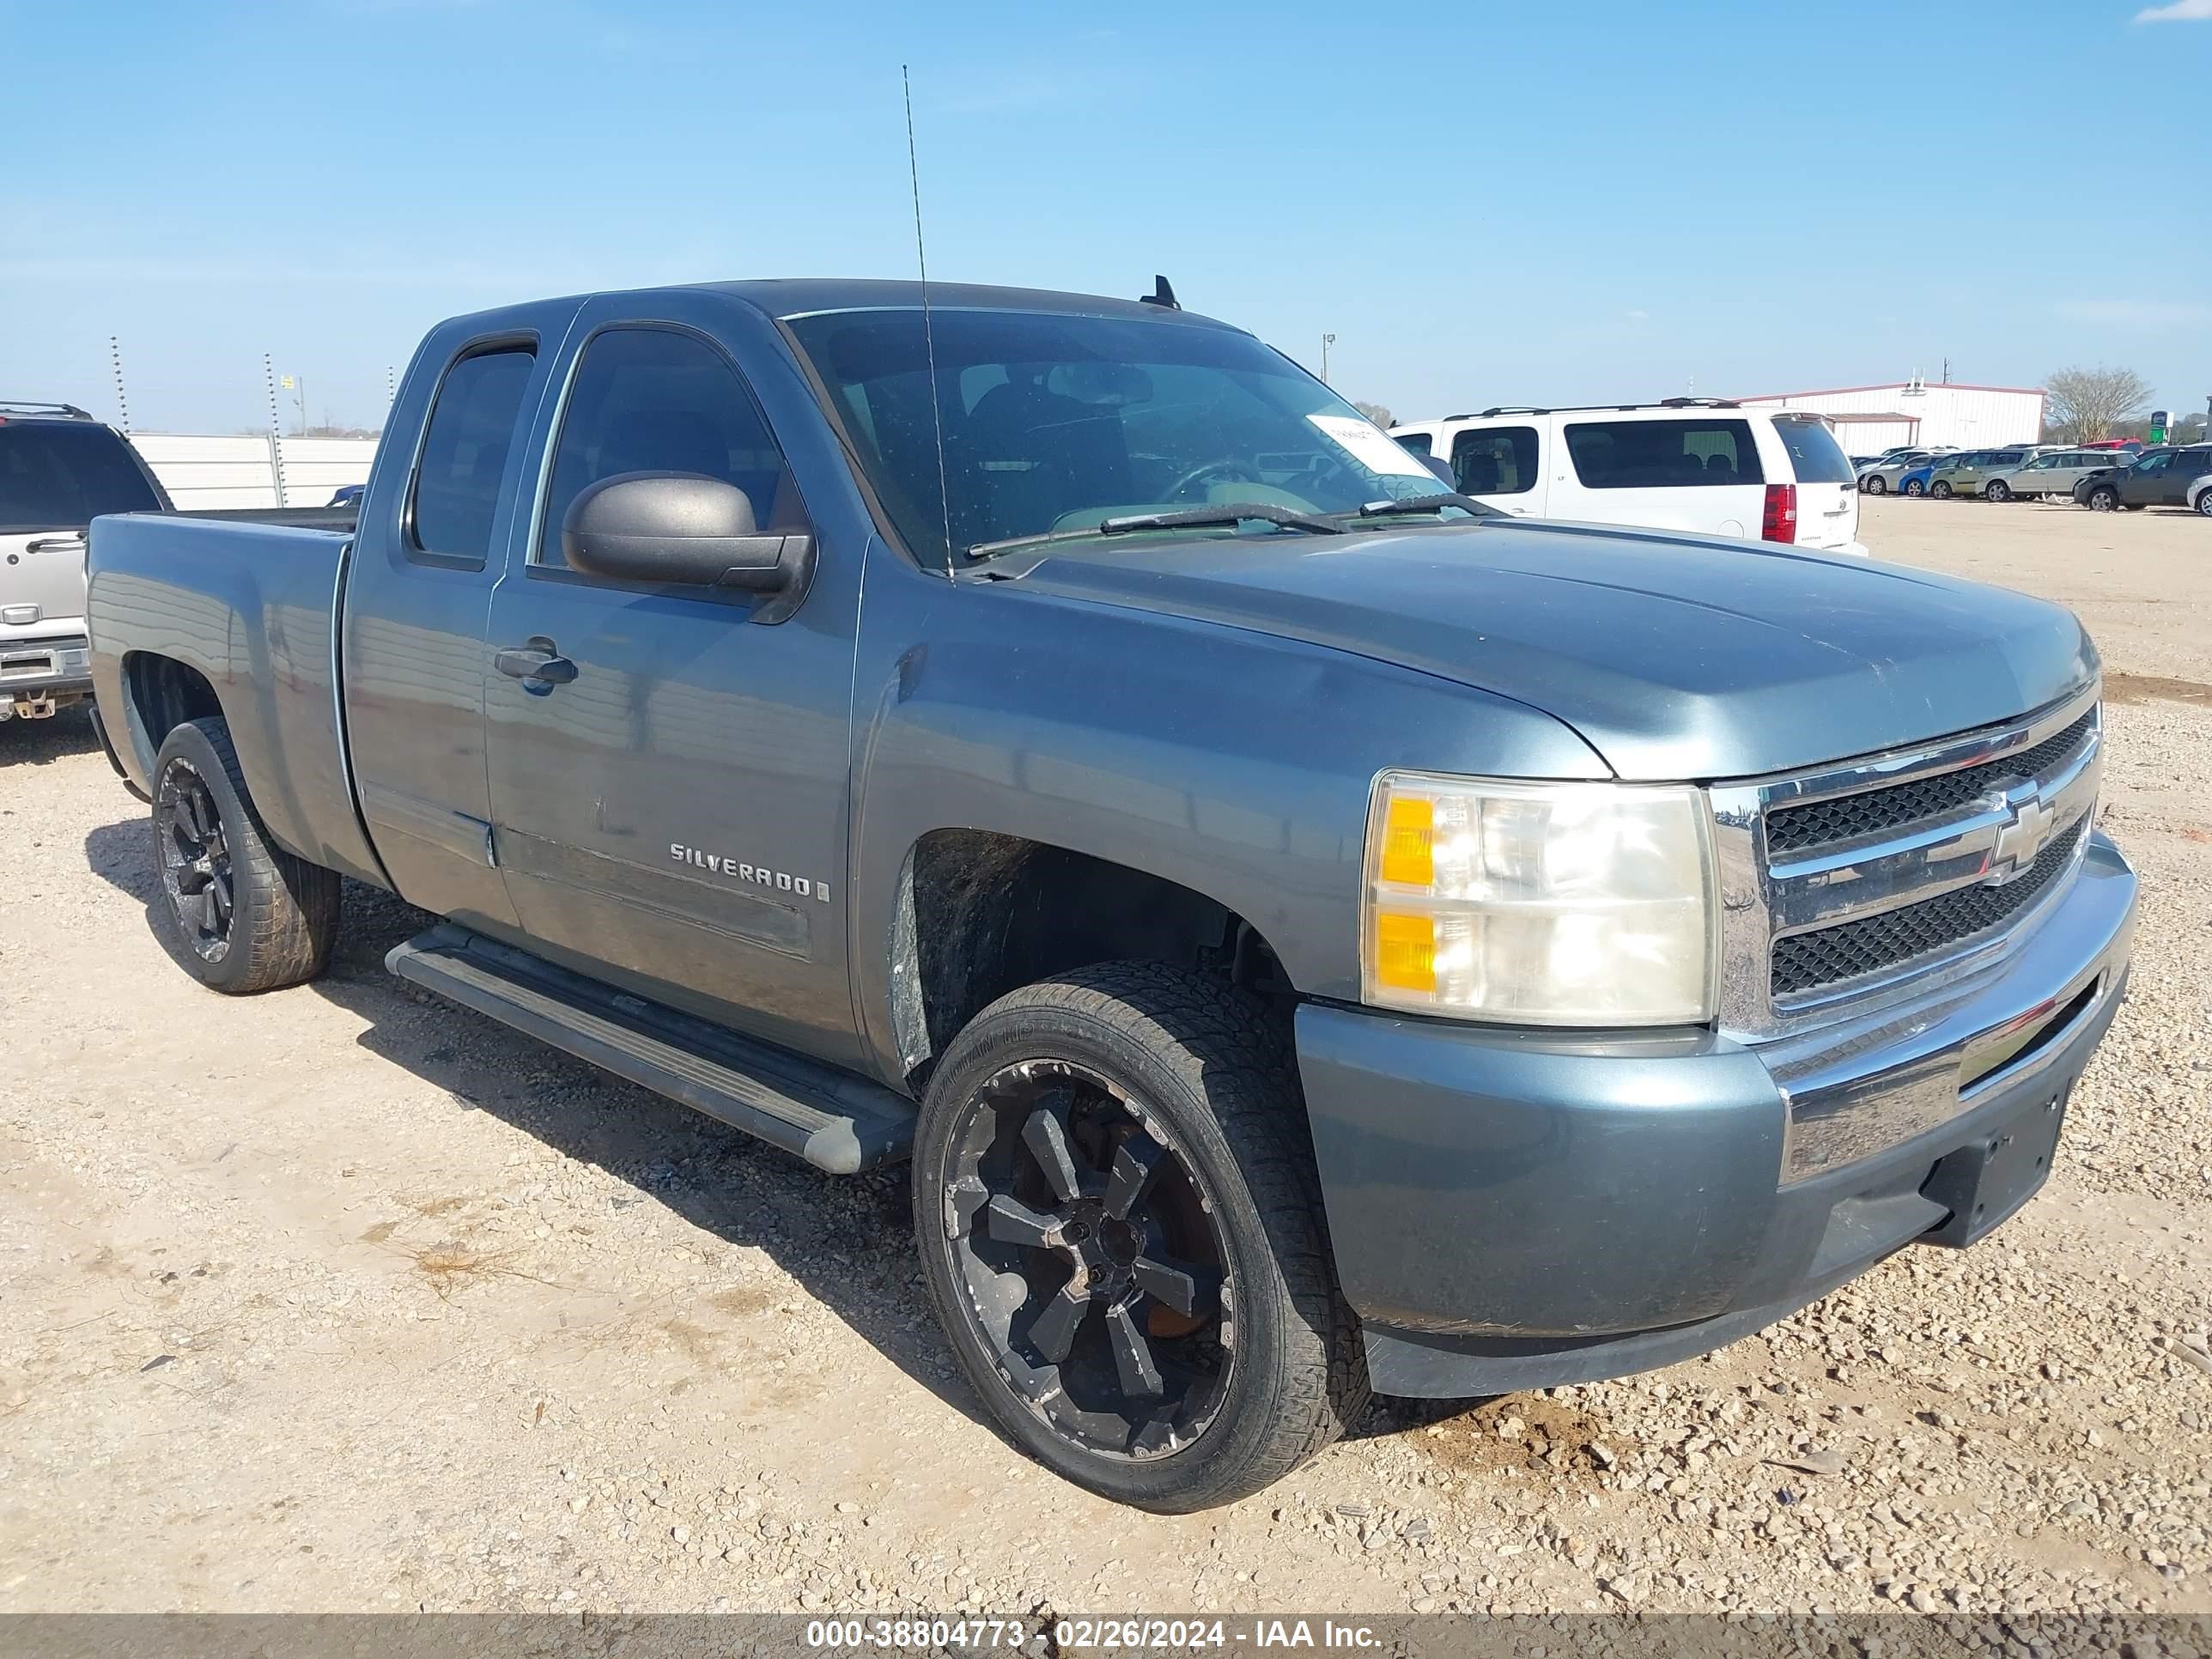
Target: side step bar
(835, 1121)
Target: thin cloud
(2180, 11)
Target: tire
(2103, 500)
(2204, 503)
(1875, 486)
(1914, 487)
(1997, 490)
(244, 914)
(1135, 1058)
(1940, 490)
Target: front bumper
(1515, 1209)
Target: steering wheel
(1229, 469)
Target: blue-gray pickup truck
(1308, 933)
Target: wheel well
(981, 913)
(164, 694)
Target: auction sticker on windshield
(1369, 446)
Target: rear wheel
(1998, 490)
(1940, 490)
(245, 915)
(2104, 500)
(1876, 486)
(1120, 1233)
(2204, 504)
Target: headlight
(1539, 903)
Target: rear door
(1696, 472)
(1502, 465)
(2189, 465)
(669, 808)
(1828, 487)
(55, 476)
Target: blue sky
(1509, 203)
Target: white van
(1693, 464)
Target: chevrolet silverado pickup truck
(1308, 933)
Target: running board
(835, 1121)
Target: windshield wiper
(1431, 504)
(1221, 513)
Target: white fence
(249, 472)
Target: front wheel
(1914, 487)
(1998, 490)
(1940, 489)
(2104, 500)
(1120, 1233)
(2204, 504)
(245, 915)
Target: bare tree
(2086, 403)
(1378, 413)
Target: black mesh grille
(1816, 824)
(1808, 962)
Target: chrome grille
(1871, 811)
(1864, 883)
(1895, 939)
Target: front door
(2144, 483)
(669, 764)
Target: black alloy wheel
(1091, 1266)
(195, 865)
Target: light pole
(1326, 341)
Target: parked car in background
(2199, 498)
(2132, 445)
(59, 469)
(1970, 473)
(1881, 478)
(1697, 465)
(1913, 481)
(2054, 472)
(2157, 478)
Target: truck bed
(246, 600)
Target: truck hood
(1674, 657)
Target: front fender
(1233, 763)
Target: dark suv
(2157, 478)
(59, 469)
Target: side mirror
(1442, 468)
(680, 527)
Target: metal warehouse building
(1869, 419)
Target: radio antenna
(928, 333)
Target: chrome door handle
(539, 662)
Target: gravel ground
(342, 1298)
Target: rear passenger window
(653, 400)
(1814, 455)
(1663, 454)
(1500, 460)
(465, 451)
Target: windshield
(1053, 423)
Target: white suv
(1691, 464)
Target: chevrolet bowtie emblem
(2020, 838)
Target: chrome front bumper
(1856, 1088)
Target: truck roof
(786, 297)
